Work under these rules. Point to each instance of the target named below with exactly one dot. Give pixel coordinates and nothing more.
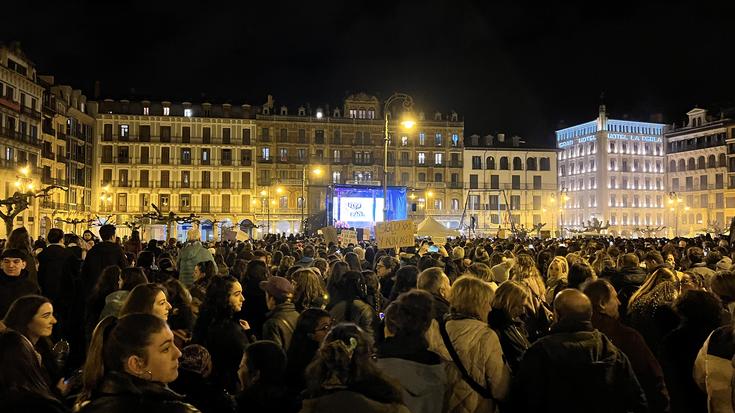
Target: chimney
(516, 141)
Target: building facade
(66, 158)
(316, 147)
(699, 197)
(612, 170)
(183, 158)
(506, 182)
(21, 96)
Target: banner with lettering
(395, 234)
(349, 236)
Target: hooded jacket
(713, 370)
(421, 373)
(576, 369)
(123, 393)
(189, 257)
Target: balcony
(30, 112)
(246, 162)
(17, 136)
(226, 162)
(122, 184)
(426, 185)
(423, 165)
(47, 180)
(455, 185)
(265, 160)
(61, 158)
(456, 164)
(364, 162)
(185, 161)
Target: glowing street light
(408, 122)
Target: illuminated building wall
(612, 170)
(698, 194)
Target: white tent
(430, 227)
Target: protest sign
(349, 236)
(395, 234)
(330, 234)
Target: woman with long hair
(220, 332)
(353, 261)
(525, 271)
(148, 299)
(336, 271)
(33, 316)
(309, 291)
(386, 269)
(255, 307)
(181, 318)
(134, 245)
(109, 281)
(650, 309)
(556, 277)
(406, 279)
(20, 239)
(511, 301)
(203, 274)
(344, 377)
(353, 307)
(23, 387)
(311, 328)
(130, 361)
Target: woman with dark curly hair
(220, 332)
(343, 376)
(309, 291)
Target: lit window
(422, 158)
(124, 130)
(146, 110)
(422, 138)
(438, 158)
(266, 154)
(166, 111)
(336, 177)
(455, 139)
(187, 113)
(404, 140)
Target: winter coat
(513, 337)
(701, 268)
(479, 349)
(713, 370)
(133, 247)
(280, 324)
(678, 353)
(372, 395)
(576, 369)
(98, 258)
(355, 311)
(440, 307)
(12, 288)
(189, 257)
(644, 363)
(226, 341)
(23, 401)
(650, 314)
(265, 398)
(201, 393)
(421, 373)
(626, 281)
(123, 393)
(56, 274)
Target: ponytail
(113, 342)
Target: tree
(19, 202)
(649, 231)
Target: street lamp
(106, 198)
(266, 197)
(407, 122)
(317, 172)
(674, 201)
(563, 198)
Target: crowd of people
(289, 324)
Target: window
(473, 181)
(283, 154)
(283, 202)
(422, 138)
(421, 158)
(144, 154)
(438, 139)
(515, 202)
(185, 134)
(476, 162)
(185, 179)
(226, 157)
(167, 111)
(319, 136)
(107, 134)
(187, 113)
(455, 139)
(266, 154)
(207, 135)
(337, 156)
(438, 158)
(165, 156)
(206, 179)
(537, 182)
(494, 181)
(545, 164)
(226, 136)
(246, 136)
(165, 175)
(517, 164)
(336, 177)
(503, 163)
(404, 140)
(186, 156)
(516, 182)
(165, 134)
(124, 131)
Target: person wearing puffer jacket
(404, 355)
(713, 369)
(477, 346)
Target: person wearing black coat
(508, 305)
(15, 281)
(57, 278)
(627, 279)
(99, 257)
(124, 393)
(576, 368)
(195, 367)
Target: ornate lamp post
(407, 122)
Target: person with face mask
(130, 362)
(15, 281)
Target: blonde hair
(509, 296)
(480, 270)
(468, 294)
(660, 275)
(563, 268)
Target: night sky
(513, 67)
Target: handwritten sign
(366, 234)
(395, 234)
(439, 240)
(330, 234)
(349, 236)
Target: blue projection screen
(360, 206)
